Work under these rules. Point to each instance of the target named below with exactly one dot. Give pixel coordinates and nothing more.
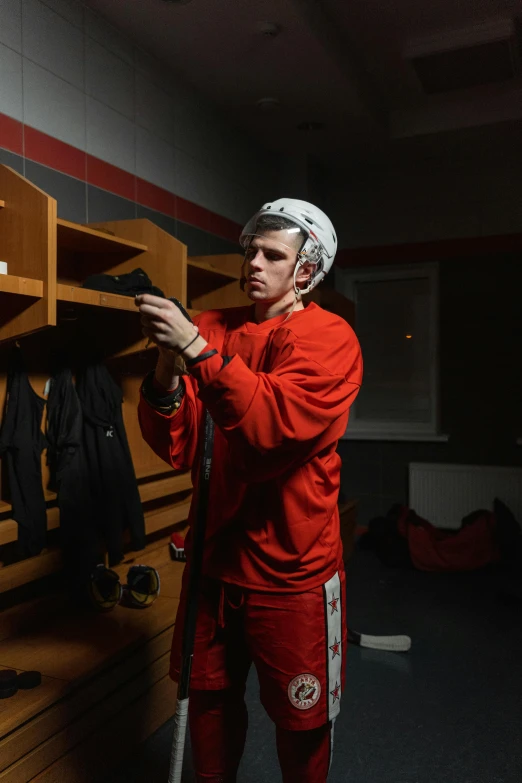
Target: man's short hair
(277, 222)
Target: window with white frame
(396, 321)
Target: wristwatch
(164, 404)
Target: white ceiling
(338, 62)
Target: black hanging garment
(108, 460)
(92, 466)
(81, 544)
(22, 442)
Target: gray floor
(450, 711)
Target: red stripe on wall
(11, 134)
(207, 220)
(105, 175)
(225, 228)
(44, 149)
(56, 154)
(149, 195)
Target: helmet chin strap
(297, 297)
(297, 291)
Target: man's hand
(164, 323)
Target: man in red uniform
(278, 379)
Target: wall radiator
(444, 494)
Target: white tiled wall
(109, 37)
(82, 81)
(110, 135)
(69, 9)
(11, 82)
(53, 105)
(155, 109)
(109, 79)
(54, 43)
(155, 160)
(11, 24)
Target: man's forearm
(167, 374)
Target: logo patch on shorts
(304, 691)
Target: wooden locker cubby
(28, 246)
(96, 669)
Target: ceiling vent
(462, 59)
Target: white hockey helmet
(320, 245)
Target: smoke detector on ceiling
(268, 29)
(482, 54)
(268, 104)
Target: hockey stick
(391, 643)
(191, 609)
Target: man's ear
(304, 274)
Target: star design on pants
(336, 693)
(333, 603)
(335, 648)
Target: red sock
(304, 756)
(218, 725)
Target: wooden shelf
(161, 471)
(9, 528)
(208, 266)
(86, 296)
(166, 517)
(2, 204)
(152, 490)
(204, 277)
(74, 236)
(23, 286)
(46, 563)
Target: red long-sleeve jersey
(280, 406)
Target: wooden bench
(105, 684)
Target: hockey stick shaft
(178, 741)
(191, 606)
(399, 643)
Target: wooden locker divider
(213, 282)
(28, 246)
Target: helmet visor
(293, 236)
(287, 242)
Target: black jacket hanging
(92, 468)
(80, 540)
(108, 461)
(22, 442)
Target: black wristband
(180, 350)
(200, 358)
(164, 404)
